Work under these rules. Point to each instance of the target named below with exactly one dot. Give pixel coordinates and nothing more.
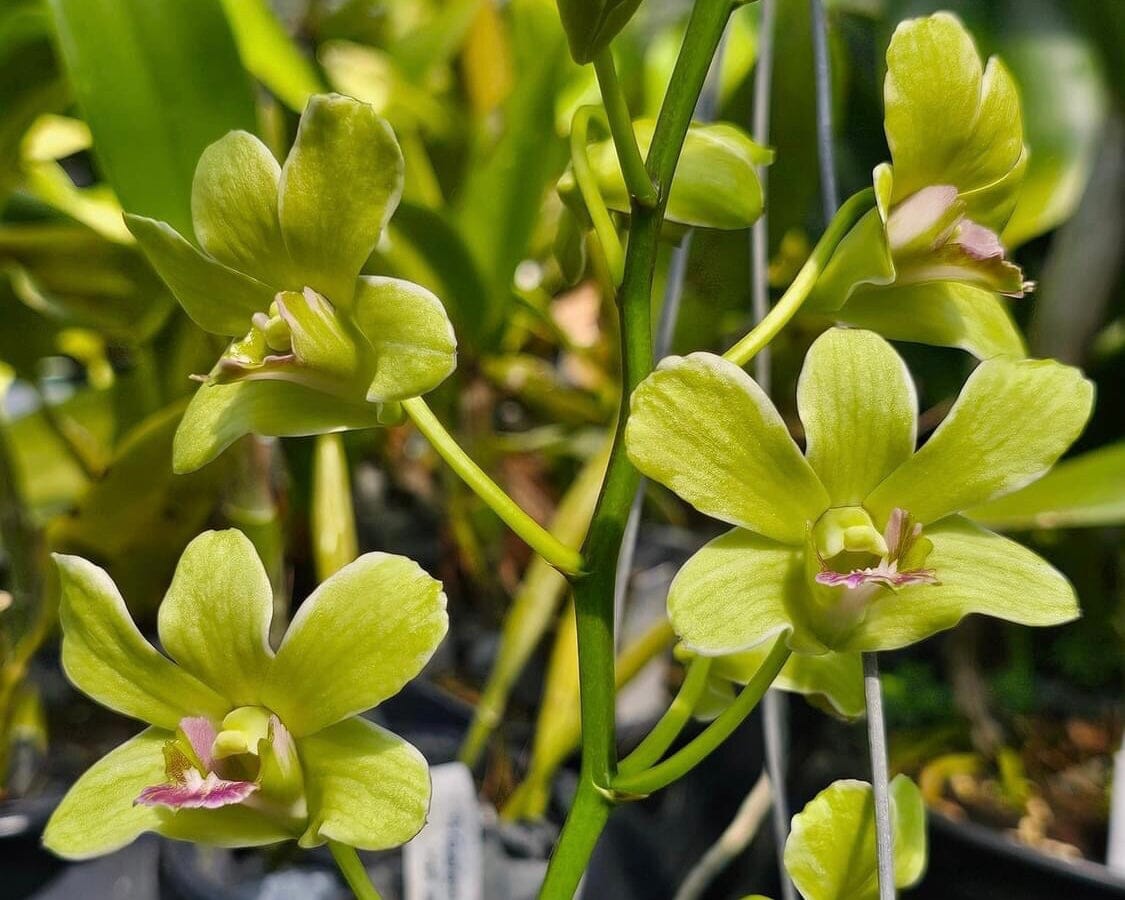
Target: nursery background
(106, 107)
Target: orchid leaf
(98, 815)
(830, 854)
(704, 428)
(978, 572)
(215, 618)
(105, 656)
(993, 440)
(367, 787)
(1084, 491)
(859, 408)
(355, 641)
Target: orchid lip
(901, 536)
(197, 792)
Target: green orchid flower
(856, 545)
(277, 266)
(927, 264)
(247, 746)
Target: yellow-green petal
(978, 572)
(828, 680)
(410, 332)
(339, 186)
(217, 298)
(730, 596)
(860, 411)
(355, 641)
(219, 414)
(215, 618)
(97, 814)
(940, 313)
(106, 657)
(1011, 423)
(367, 787)
(228, 826)
(704, 428)
(234, 208)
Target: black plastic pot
(24, 862)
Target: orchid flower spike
(275, 263)
(928, 264)
(245, 746)
(858, 544)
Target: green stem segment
(797, 292)
(637, 180)
(593, 593)
(656, 744)
(565, 559)
(353, 871)
(591, 196)
(686, 759)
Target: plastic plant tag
(446, 859)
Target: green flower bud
(591, 24)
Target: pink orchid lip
(899, 535)
(197, 792)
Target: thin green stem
(353, 871)
(657, 742)
(565, 559)
(797, 292)
(588, 815)
(687, 758)
(637, 180)
(591, 196)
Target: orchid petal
(702, 427)
(216, 297)
(341, 182)
(367, 787)
(97, 814)
(360, 636)
(239, 825)
(858, 405)
(978, 572)
(234, 208)
(828, 680)
(1011, 423)
(730, 596)
(215, 618)
(410, 332)
(862, 258)
(106, 657)
(219, 414)
(943, 314)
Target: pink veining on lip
(899, 536)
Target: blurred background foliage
(106, 104)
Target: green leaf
(857, 402)
(97, 815)
(106, 657)
(406, 325)
(357, 640)
(217, 298)
(339, 185)
(829, 680)
(1011, 423)
(702, 427)
(590, 25)
(978, 572)
(940, 313)
(215, 618)
(367, 787)
(1082, 492)
(234, 208)
(270, 53)
(153, 105)
(947, 121)
(830, 854)
(731, 595)
(219, 414)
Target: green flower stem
(657, 742)
(686, 759)
(591, 196)
(353, 871)
(797, 292)
(565, 559)
(637, 179)
(593, 593)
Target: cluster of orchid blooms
(858, 543)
